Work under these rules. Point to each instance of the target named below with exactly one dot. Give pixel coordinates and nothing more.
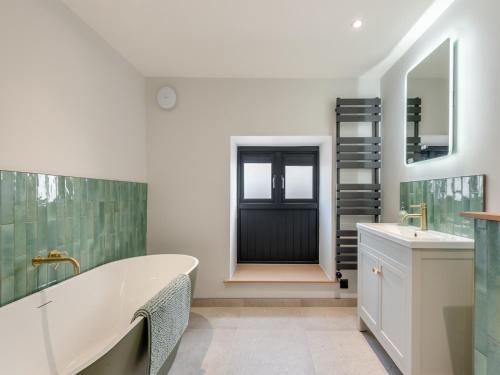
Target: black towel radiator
(356, 153)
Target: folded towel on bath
(167, 315)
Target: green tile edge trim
(96, 221)
(446, 198)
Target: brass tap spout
(56, 256)
(422, 216)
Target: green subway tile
(60, 210)
(487, 297)
(100, 190)
(83, 191)
(20, 239)
(20, 280)
(61, 188)
(69, 208)
(493, 280)
(76, 228)
(7, 263)
(61, 233)
(20, 194)
(31, 212)
(51, 188)
(42, 227)
(31, 249)
(7, 250)
(96, 221)
(7, 196)
(51, 273)
(77, 188)
(52, 242)
(51, 211)
(42, 189)
(69, 190)
(107, 191)
(7, 290)
(31, 187)
(446, 198)
(92, 192)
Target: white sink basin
(413, 237)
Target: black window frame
(279, 155)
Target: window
(278, 204)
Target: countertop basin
(413, 237)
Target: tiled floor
(275, 341)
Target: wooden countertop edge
(491, 216)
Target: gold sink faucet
(56, 256)
(422, 215)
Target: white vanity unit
(415, 293)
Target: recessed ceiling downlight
(356, 24)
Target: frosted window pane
(257, 181)
(299, 182)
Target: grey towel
(167, 315)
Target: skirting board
(274, 302)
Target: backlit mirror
(429, 106)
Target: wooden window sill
(279, 273)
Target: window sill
(279, 273)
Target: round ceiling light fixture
(357, 24)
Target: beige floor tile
(343, 353)
(273, 318)
(204, 351)
(213, 317)
(270, 352)
(329, 318)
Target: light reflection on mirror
(429, 106)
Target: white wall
(189, 164)
(475, 25)
(69, 104)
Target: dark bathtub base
(130, 355)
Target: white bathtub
(68, 327)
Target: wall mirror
(430, 106)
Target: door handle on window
(274, 181)
(282, 182)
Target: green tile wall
(96, 221)
(446, 198)
(487, 298)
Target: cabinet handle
(376, 270)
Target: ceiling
(251, 38)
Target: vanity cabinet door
(394, 308)
(369, 282)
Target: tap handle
(57, 253)
(419, 205)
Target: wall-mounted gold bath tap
(422, 215)
(56, 256)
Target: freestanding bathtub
(83, 325)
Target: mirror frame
(452, 100)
